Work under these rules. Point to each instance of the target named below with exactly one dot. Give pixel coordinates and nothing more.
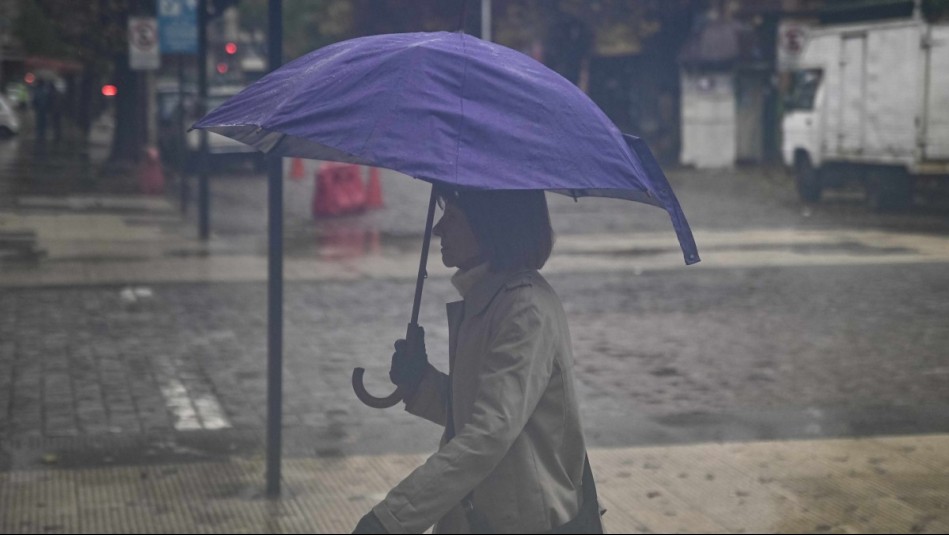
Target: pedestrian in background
(41, 103)
(512, 458)
(56, 104)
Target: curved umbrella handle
(413, 328)
(369, 399)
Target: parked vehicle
(180, 145)
(870, 102)
(18, 95)
(9, 121)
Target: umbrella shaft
(423, 262)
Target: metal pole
(486, 20)
(204, 193)
(181, 146)
(462, 16)
(275, 277)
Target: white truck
(869, 102)
(176, 142)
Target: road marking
(179, 403)
(211, 413)
(192, 412)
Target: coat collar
(483, 291)
(464, 281)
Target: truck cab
(869, 102)
(801, 146)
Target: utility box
(869, 102)
(708, 119)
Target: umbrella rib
(399, 88)
(275, 144)
(461, 120)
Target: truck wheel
(808, 179)
(889, 190)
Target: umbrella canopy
(447, 108)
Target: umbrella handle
(369, 399)
(413, 328)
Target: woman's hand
(407, 369)
(370, 524)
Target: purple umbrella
(450, 109)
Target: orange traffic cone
(296, 169)
(374, 190)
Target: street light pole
(204, 193)
(486, 20)
(274, 275)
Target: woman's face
(460, 247)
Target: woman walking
(512, 458)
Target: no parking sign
(792, 40)
(144, 54)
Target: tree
(37, 32)
(567, 31)
(312, 24)
(621, 52)
(61, 29)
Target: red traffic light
(231, 48)
(110, 90)
(222, 68)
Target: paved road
(815, 321)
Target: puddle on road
(845, 247)
(807, 423)
(346, 243)
(18, 245)
(102, 259)
(848, 247)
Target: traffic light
(226, 60)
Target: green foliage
(312, 24)
(611, 26)
(37, 32)
(91, 32)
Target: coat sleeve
(514, 375)
(430, 400)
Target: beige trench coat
(518, 443)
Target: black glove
(370, 524)
(407, 370)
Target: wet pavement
(132, 356)
(886, 485)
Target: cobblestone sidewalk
(889, 485)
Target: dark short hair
(512, 226)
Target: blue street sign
(178, 26)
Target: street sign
(792, 40)
(144, 54)
(178, 26)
